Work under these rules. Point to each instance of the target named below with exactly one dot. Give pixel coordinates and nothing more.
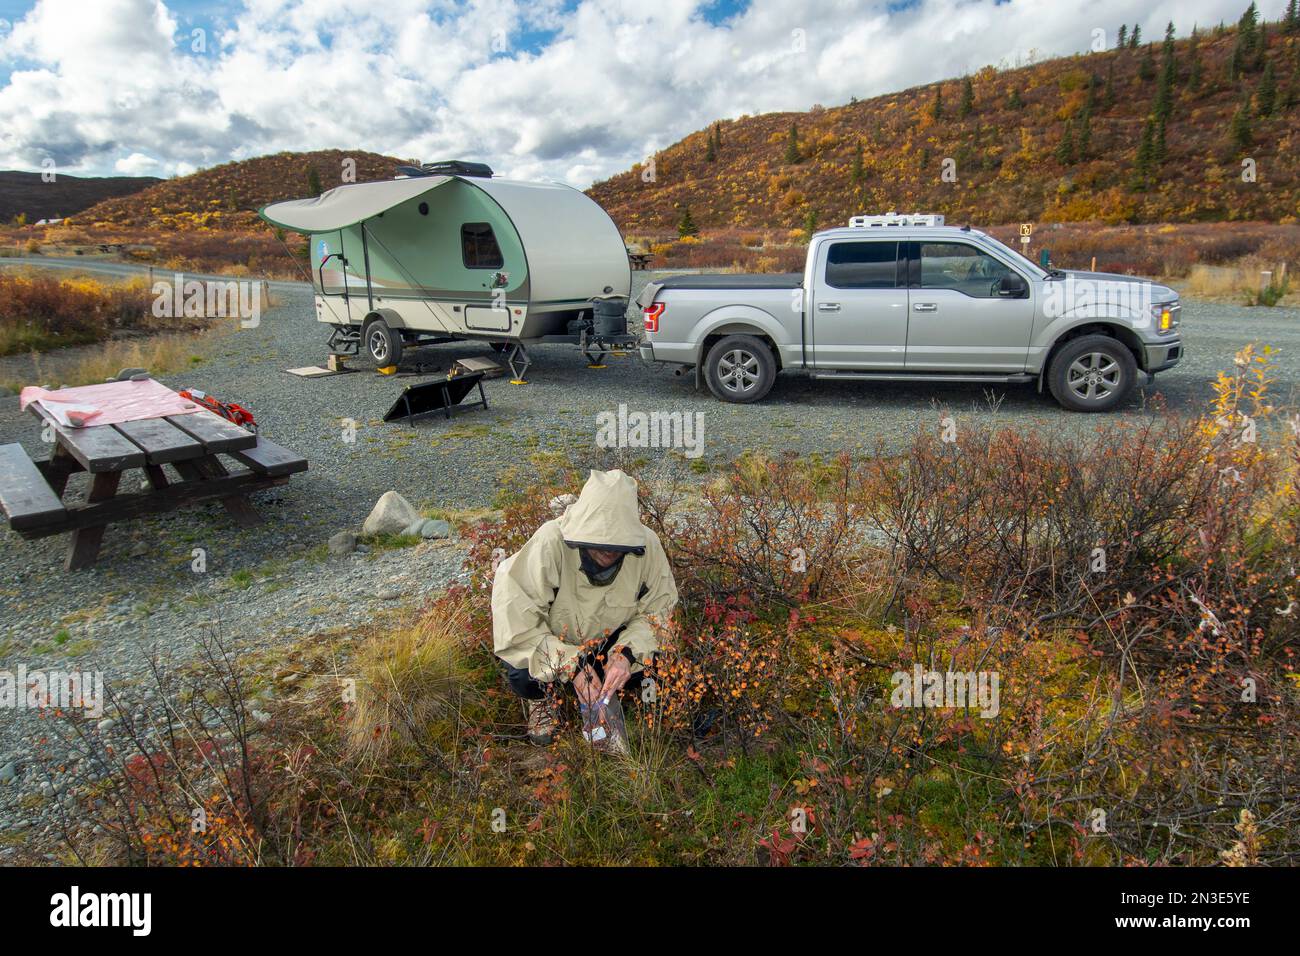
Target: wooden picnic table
(32, 494)
(640, 260)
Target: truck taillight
(651, 315)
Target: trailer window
(478, 246)
(862, 265)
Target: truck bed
(733, 280)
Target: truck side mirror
(1012, 286)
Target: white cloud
(137, 164)
(113, 86)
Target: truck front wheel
(1092, 373)
(740, 368)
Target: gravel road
(271, 583)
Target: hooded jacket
(544, 608)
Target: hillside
(1079, 138)
(228, 196)
(26, 194)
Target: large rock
(436, 528)
(341, 544)
(392, 514)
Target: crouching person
(581, 603)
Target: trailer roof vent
(447, 167)
(894, 219)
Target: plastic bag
(603, 726)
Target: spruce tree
(1242, 136)
(1266, 95)
(1291, 22)
(1142, 164)
(792, 154)
(686, 224)
(859, 173)
(1135, 38)
(1014, 101)
(1083, 135)
(1123, 36)
(967, 97)
(313, 181)
(936, 107)
(710, 150)
(1147, 65)
(1065, 148)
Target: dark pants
(527, 686)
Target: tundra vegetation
(1135, 591)
(44, 316)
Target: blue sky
(572, 90)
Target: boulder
(341, 544)
(392, 514)
(436, 528)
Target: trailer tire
(740, 369)
(383, 344)
(1092, 373)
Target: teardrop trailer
(446, 252)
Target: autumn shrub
(179, 780)
(39, 312)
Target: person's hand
(586, 685)
(617, 673)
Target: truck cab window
(478, 246)
(862, 265)
(962, 268)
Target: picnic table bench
(640, 260)
(32, 493)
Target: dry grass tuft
(411, 685)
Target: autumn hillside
(1153, 132)
(29, 196)
(228, 196)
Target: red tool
(227, 410)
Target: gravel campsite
(280, 581)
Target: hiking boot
(541, 722)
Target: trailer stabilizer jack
(518, 360)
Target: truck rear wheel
(383, 344)
(1092, 373)
(740, 368)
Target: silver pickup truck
(906, 298)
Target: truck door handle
(828, 306)
(926, 307)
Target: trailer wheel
(740, 369)
(383, 345)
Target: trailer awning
(347, 205)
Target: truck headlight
(1166, 316)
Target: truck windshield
(1023, 261)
